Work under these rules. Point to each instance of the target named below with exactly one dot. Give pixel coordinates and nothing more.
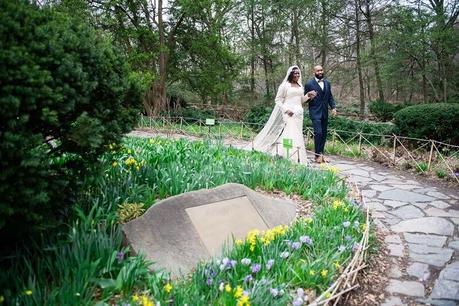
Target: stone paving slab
(404, 196)
(427, 225)
(409, 288)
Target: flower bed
(312, 260)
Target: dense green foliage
(192, 114)
(438, 121)
(257, 116)
(65, 94)
(384, 111)
(94, 266)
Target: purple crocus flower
(346, 224)
(274, 292)
(356, 247)
(356, 223)
(306, 240)
(296, 245)
(232, 263)
(248, 278)
(284, 255)
(246, 261)
(288, 242)
(209, 281)
(120, 256)
(256, 268)
(297, 302)
(300, 292)
(269, 264)
(341, 248)
(347, 238)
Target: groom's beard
(319, 76)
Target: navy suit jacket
(318, 107)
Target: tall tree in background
(368, 14)
(445, 48)
(358, 43)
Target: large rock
(178, 232)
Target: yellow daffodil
(327, 295)
(2, 299)
(239, 242)
(135, 297)
(238, 292)
(130, 161)
(28, 292)
(129, 151)
(146, 301)
(307, 220)
(337, 204)
(337, 265)
(312, 272)
(324, 273)
(168, 287)
(228, 288)
(243, 301)
(115, 163)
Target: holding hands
(311, 94)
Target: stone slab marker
(178, 232)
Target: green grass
(89, 265)
(219, 130)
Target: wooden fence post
(430, 155)
(360, 143)
(333, 140)
(395, 145)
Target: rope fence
(423, 155)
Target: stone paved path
(421, 227)
(420, 223)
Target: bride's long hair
(273, 128)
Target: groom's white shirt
(320, 82)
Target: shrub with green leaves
(438, 121)
(65, 94)
(384, 111)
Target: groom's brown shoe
(319, 159)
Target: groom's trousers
(320, 135)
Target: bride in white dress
(286, 120)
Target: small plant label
(287, 143)
(210, 121)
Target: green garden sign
(288, 144)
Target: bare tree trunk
(265, 68)
(373, 57)
(252, 49)
(359, 64)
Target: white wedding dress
(281, 126)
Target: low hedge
(438, 121)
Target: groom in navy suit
(318, 109)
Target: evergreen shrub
(438, 121)
(65, 95)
